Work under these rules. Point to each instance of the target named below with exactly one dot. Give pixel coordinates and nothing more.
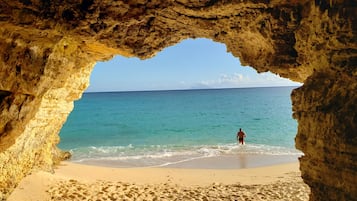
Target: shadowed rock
(48, 49)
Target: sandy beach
(72, 181)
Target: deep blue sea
(156, 128)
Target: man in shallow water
(240, 136)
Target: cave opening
(47, 58)
(186, 103)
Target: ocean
(160, 128)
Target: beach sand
(73, 181)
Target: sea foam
(161, 155)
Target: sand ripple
(289, 188)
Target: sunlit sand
(83, 182)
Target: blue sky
(191, 64)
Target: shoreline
(228, 161)
(72, 181)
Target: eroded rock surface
(48, 49)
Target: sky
(191, 64)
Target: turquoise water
(156, 128)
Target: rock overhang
(50, 47)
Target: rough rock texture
(48, 49)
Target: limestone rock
(48, 49)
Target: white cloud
(239, 80)
(271, 79)
(235, 78)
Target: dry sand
(82, 182)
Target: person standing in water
(240, 136)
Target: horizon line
(190, 89)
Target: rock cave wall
(48, 49)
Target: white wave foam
(162, 155)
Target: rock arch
(48, 49)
